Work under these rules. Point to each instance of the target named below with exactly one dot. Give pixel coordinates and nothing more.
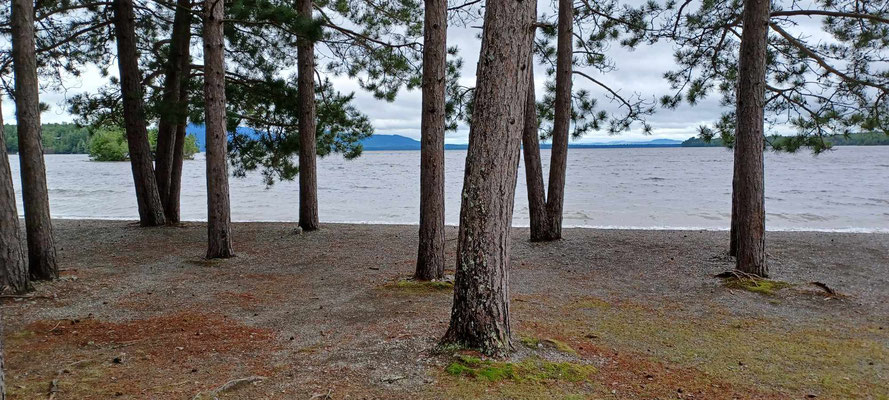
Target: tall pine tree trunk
(171, 203)
(430, 255)
(546, 206)
(480, 313)
(38, 225)
(218, 212)
(749, 139)
(733, 233)
(151, 212)
(13, 268)
(2, 365)
(561, 123)
(172, 109)
(533, 166)
(308, 179)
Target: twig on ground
(323, 396)
(233, 384)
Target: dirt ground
(603, 314)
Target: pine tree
(151, 212)
(38, 224)
(480, 313)
(812, 87)
(13, 268)
(430, 254)
(218, 208)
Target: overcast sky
(636, 72)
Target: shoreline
(589, 227)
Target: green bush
(108, 144)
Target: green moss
(420, 287)
(822, 356)
(761, 286)
(533, 370)
(22, 334)
(535, 343)
(590, 302)
(530, 342)
(560, 346)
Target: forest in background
(57, 139)
(106, 144)
(854, 139)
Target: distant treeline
(57, 139)
(855, 139)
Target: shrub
(108, 144)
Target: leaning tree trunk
(172, 109)
(218, 212)
(480, 313)
(38, 225)
(561, 120)
(308, 179)
(171, 203)
(749, 138)
(151, 211)
(533, 166)
(430, 255)
(13, 268)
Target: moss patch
(535, 343)
(761, 286)
(420, 287)
(531, 369)
(828, 358)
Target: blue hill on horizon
(400, 143)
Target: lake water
(653, 188)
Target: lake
(846, 189)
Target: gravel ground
(139, 313)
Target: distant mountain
(389, 142)
(200, 133)
(398, 142)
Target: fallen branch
(231, 385)
(26, 296)
(824, 287)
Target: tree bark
(480, 313)
(172, 109)
(13, 268)
(733, 233)
(533, 165)
(561, 123)
(151, 212)
(749, 139)
(218, 211)
(172, 205)
(308, 180)
(546, 206)
(38, 225)
(2, 365)
(430, 255)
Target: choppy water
(652, 188)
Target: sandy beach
(602, 314)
